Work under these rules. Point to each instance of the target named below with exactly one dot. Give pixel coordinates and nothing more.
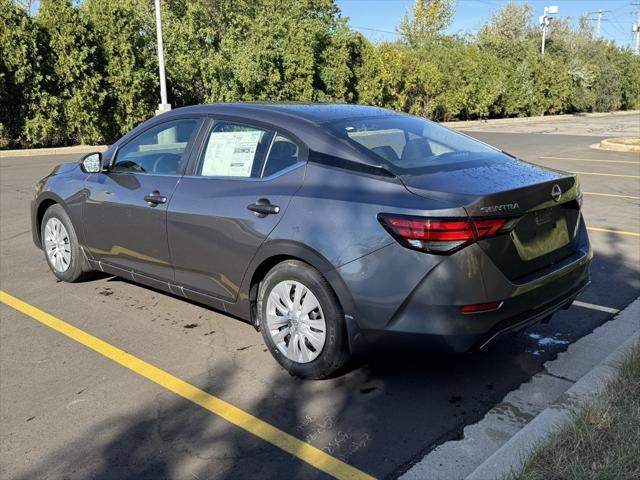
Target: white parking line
(600, 308)
(573, 159)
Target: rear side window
(409, 142)
(283, 154)
(158, 151)
(234, 150)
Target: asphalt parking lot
(68, 411)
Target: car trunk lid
(543, 203)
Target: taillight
(440, 235)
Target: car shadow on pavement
(376, 418)
(383, 413)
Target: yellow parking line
(614, 195)
(608, 230)
(573, 159)
(290, 444)
(606, 174)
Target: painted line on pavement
(290, 444)
(600, 308)
(613, 195)
(606, 174)
(573, 159)
(617, 232)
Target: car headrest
(167, 163)
(416, 149)
(281, 149)
(386, 152)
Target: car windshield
(409, 142)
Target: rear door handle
(154, 198)
(263, 209)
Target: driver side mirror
(92, 163)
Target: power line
(375, 30)
(617, 26)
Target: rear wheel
(60, 246)
(301, 321)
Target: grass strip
(602, 439)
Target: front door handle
(263, 208)
(154, 198)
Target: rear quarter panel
(335, 213)
(332, 222)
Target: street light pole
(164, 106)
(544, 21)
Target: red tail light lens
(440, 236)
(481, 307)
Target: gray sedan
(333, 229)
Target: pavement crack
(15, 236)
(559, 377)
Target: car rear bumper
(428, 317)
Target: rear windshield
(405, 142)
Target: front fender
(39, 205)
(67, 190)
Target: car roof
(306, 121)
(312, 112)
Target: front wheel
(60, 246)
(301, 321)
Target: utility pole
(599, 13)
(635, 28)
(545, 20)
(164, 105)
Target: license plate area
(540, 233)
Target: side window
(234, 150)
(158, 151)
(283, 154)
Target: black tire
(78, 268)
(334, 353)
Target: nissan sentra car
(333, 229)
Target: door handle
(263, 208)
(154, 198)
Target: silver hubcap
(296, 321)
(57, 245)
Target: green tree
(429, 18)
(69, 108)
(189, 26)
(552, 85)
(509, 34)
(19, 71)
(125, 30)
(394, 76)
(340, 62)
(628, 66)
(275, 50)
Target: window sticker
(230, 154)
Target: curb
(53, 151)
(621, 144)
(497, 445)
(544, 118)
